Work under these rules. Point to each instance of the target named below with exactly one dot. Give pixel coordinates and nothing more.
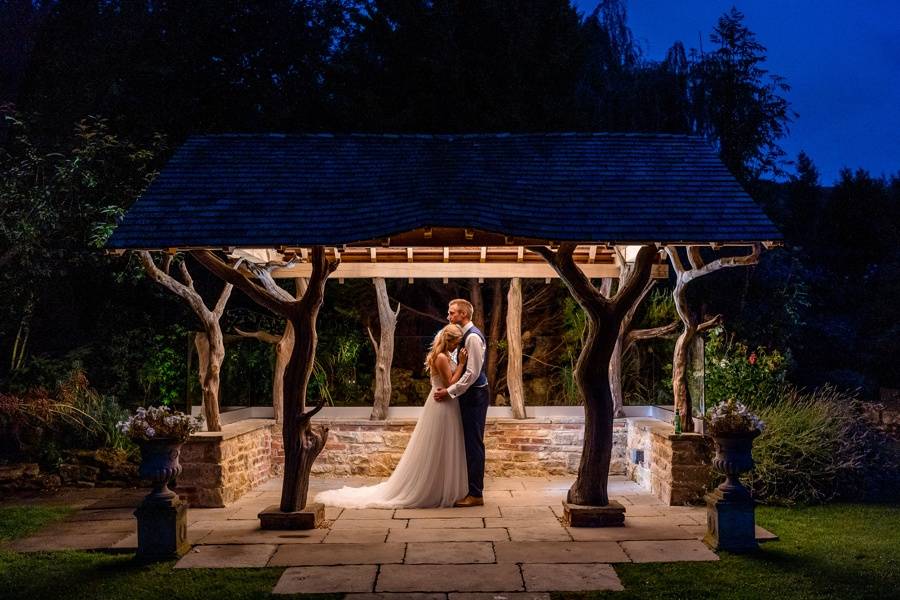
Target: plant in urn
(731, 523)
(162, 519)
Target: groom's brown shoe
(470, 501)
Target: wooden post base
(611, 515)
(308, 518)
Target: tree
(604, 317)
(692, 320)
(737, 103)
(210, 344)
(302, 442)
(384, 350)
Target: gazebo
(253, 208)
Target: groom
(472, 391)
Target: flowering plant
(159, 422)
(732, 417)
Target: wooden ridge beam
(434, 270)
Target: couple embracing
(443, 464)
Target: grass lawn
(836, 551)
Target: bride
(432, 470)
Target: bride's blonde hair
(444, 339)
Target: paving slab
(295, 555)
(644, 510)
(227, 557)
(194, 536)
(112, 514)
(225, 524)
(643, 498)
(698, 531)
(499, 596)
(449, 553)
(547, 533)
(534, 499)
(369, 524)
(537, 521)
(363, 536)
(331, 512)
(463, 523)
(397, 596)
(123, 498)
(526, 512)
(447, 535)
(367, 513)
(559, 552)
(449, 578)
(503, 483)
(570, 578)
(668, 551)
(488, 510)
(51, 543)
(326, 580)
(208, 514)
(764, 535)
(255, 535)
(634, 529)
(493, 495)
(666, 518)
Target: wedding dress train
(431, 472)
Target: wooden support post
(384, 350)
(514, 348)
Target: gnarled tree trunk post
(604, 316)
(514, 348)
(210, 344)
(493, 345)
(384, 350)
(284, 345)
(302, 442)
(691, 320)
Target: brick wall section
(680, 465)
(220, 467)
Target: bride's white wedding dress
(432, 470)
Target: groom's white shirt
(476, 349)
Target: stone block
(162, 531)
(730, 525)
(611, 515)
(273, 518)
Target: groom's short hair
(464, 305)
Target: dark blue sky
(841, 58)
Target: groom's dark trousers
(473, 407)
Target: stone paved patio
(515, 544)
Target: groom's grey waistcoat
(481, 381)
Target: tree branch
(263, 336)
(694, 257)
(372, 339)
(186, 293)
(311, 413)
(629, 292)
(185, 274)
(709, 324)
(636, 335)
(579, 285)
(724, 263)
(256, 292)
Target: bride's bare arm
(448, 377)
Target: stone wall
(220, 467)
(680, 465)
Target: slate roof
(299, 190)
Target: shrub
(818, 446)
(732, 369)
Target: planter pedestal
(162, 516)
(730, 518)
(611, 515)
(308, 518)
(162, 530)
(730, 524)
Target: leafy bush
(38, 424)
(818, 446)
(733, 370)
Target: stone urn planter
(730, 518)
(162, 516)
